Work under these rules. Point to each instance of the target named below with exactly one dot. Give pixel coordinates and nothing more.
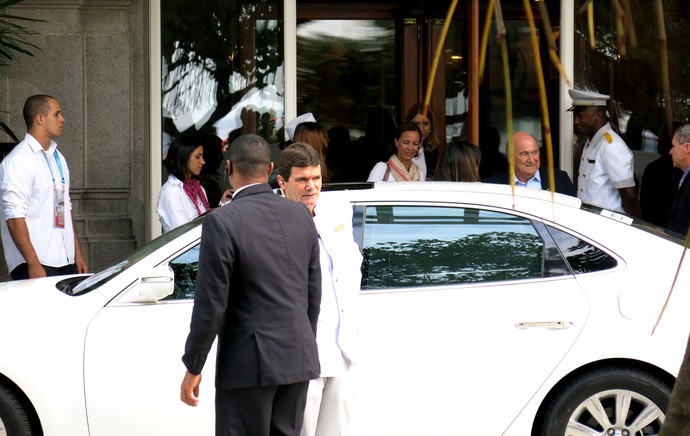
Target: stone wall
(93, 59)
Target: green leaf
(12, 32)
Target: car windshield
(96, 280)
(637, 223)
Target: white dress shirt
(174, 205)
(606, 166)
(533, 183)
(341, 276)
(27, 191)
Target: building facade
(133, 74)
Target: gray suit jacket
(259, 289)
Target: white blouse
(174, 206)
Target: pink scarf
(192, 188)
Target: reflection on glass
(424, 246)
(108, 274)
(582, 256)
(185, 267)
(633, 77)
(222, 68)
(523, 82)
(344, 68)
(456, 79)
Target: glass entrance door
(352, 58)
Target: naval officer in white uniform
(606, 177)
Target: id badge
(59, 208)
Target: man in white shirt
(38, 234)
(329, 397)
(606, 176)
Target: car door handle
(544, 324)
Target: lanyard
(59, 165)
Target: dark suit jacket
(259, 289)
(563, 183)
(679, 220)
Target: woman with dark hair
(459, 163)
(182, 198)
(400, 167)
(428, 151)
(313, 134)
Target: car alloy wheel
(611, 401)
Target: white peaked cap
(587, 98)
(291, 125)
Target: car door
(133, 366)
(464, 312)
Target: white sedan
(481, 313)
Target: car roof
(436, 190)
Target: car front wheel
(14, 420)
(610, 401)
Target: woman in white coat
(182, 198)
(400, 167)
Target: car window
(185, 267)
(406, 246)
(81, 285)
(582, 256)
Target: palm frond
(12, 35)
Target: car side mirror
(153, 286)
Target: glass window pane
(582, 256)
(344, 69)
(222, 68)
(185, 267)
(526, 115)
(457, 104)
(632, 73)
(421, 246)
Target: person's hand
(189, 391)
(227, 196)
(80, 264)
(36, 271)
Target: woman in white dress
(400, 167)
(182, 198)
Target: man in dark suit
(528, 172)
(259, 290)
(679, 220)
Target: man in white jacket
(329, 398)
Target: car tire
(14, 421)
(588, 404)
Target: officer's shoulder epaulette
(608, 137)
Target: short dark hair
(178, 155)
(250, 155)
(36, 105)
(300, 155)
(407, 126)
